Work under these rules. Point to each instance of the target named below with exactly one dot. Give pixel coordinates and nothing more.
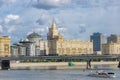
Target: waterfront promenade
(63, 65)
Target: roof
(34, 35)
(26, 41)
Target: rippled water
(52, 75)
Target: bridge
(88, 58)
(102, 57)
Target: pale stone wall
(70, 47)
(74, 47)
(5, 46)
(111, 48)
(43, 47)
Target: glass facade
(98, 40)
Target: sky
(75, 19)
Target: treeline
(67, 60)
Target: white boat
(102, 74)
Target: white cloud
(62, 29)
(11, 17)
(39, 30)
(29, 33)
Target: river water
(52, 75)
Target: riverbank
(62, 65)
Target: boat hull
(102, 76)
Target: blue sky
(76, 19)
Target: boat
(102, 74)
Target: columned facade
(29, 46)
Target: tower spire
(53, 23)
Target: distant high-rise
(113, 38)
(98, 40)
(53, 32)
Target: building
(58, 45)
(44, 47)
(97, 39)
(53, 32)
(35, 38)
(41, 45)
(15, 50)
(111, 48)
(29, 46)
(113, 38)
(33, 45)
(5, 46)
(18, 50)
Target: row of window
(73, 50)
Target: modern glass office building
(98, 39)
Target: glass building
(97, 39)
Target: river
(52, 75)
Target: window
(6, 47)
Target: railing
(62, 57)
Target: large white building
(23, 48)
(41, 45)
(29, 47)
(18, 50)
(33, 45)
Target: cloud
(22, 18)
(43, 19)
(98, 3)
(82, 28)
(11, 29)
(62, 29)
(49, 4)
(13, 1)
(39, 30)
(40, 21)
(1, 28)
(6, 2)
(10, 18)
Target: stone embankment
(62, 65)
